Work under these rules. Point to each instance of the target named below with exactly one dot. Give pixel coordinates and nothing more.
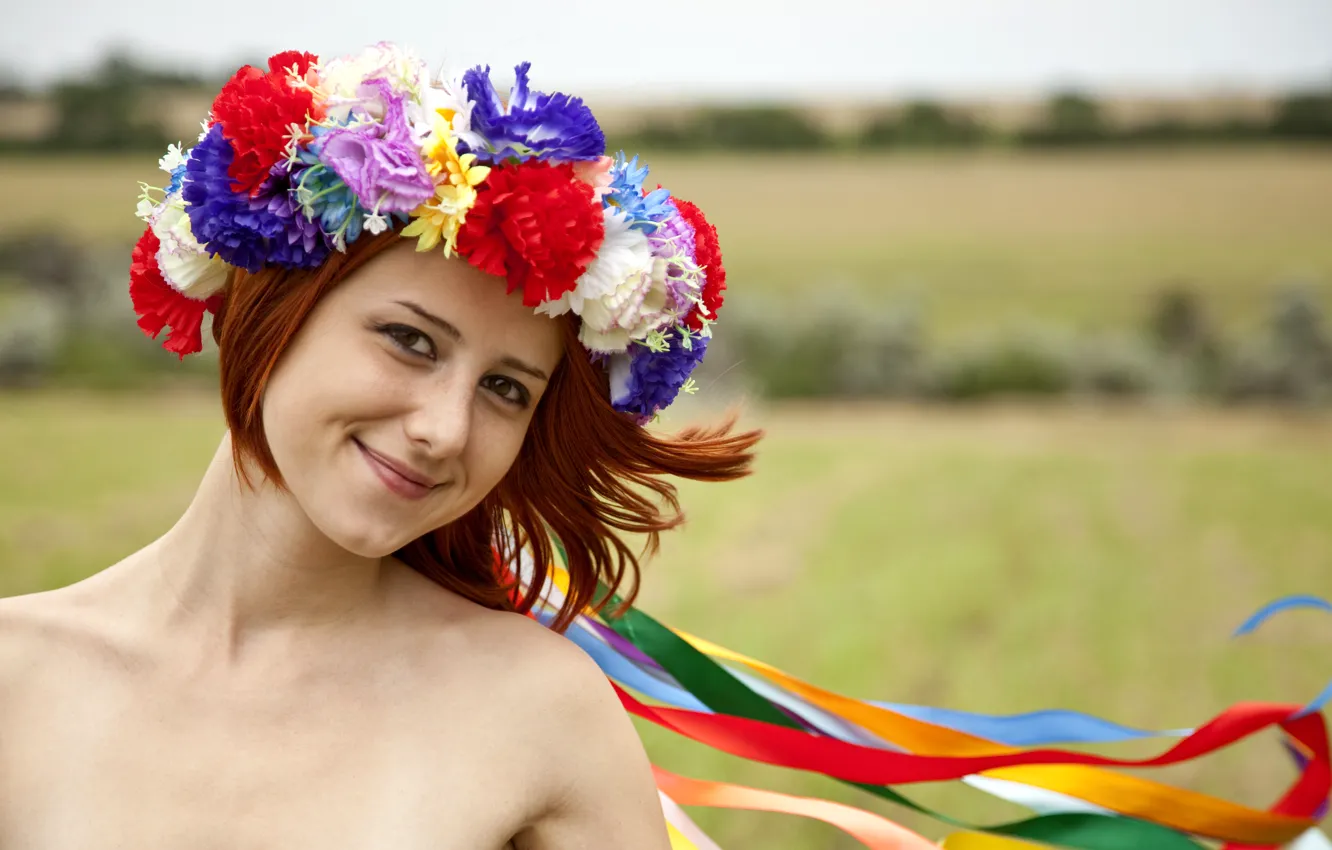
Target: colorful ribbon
(748, 708)
(871, 829)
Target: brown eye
(507, 389)
(409, 339)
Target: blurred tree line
(1069, 119)
(65, 320)
(845, 348)
(112, 109)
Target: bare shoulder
(49, 632)
(538, 670)
(29, 624)
(559, 687)
(599, 789)
(37, 631)
(506, 647)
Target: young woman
(324, 651)
(321, 652)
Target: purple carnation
(547, 126)
(279, 200)
(654, 378)
(244, 231)
(387, 176)
(673, 236)
(393, 123)
(378, 161)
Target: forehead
(449, 287)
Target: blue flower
(533, 125)
(177, 177)
(626, 193)
(331, 201)
(322, 194)
(244, 231)
(655, 377)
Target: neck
(244, 566)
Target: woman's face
(405, 397)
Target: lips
(395, 475)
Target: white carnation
(624, 252)
(639, 305)
(341, 78)
(185, 264)
(403, 70)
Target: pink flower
(597, 174)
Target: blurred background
(1032, 298)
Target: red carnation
(708, 255)
(535, 223)
(256, 110)
(159, 305)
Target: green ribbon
(716, 688)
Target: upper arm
(603, 792)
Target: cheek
(494, 455)
(337, 381)
(309, 395)
(287, 407)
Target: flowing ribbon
(874, 831)
(779, 745)
(657, 642)
(1289, 603)
(759, 712)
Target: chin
(369, 540)
(359, 516)
(352, 523)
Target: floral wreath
(302, 159)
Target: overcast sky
(723, 47)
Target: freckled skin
(442, 414)
(258, 693)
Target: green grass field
(994, 559)
(973, 238)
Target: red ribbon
(786, 747)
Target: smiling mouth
(395, 481)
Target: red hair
(585, 472)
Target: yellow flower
(443, 219)
(456, 179)
(442, 158)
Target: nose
(440, 422)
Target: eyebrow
(453, 333)
(443, 324)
